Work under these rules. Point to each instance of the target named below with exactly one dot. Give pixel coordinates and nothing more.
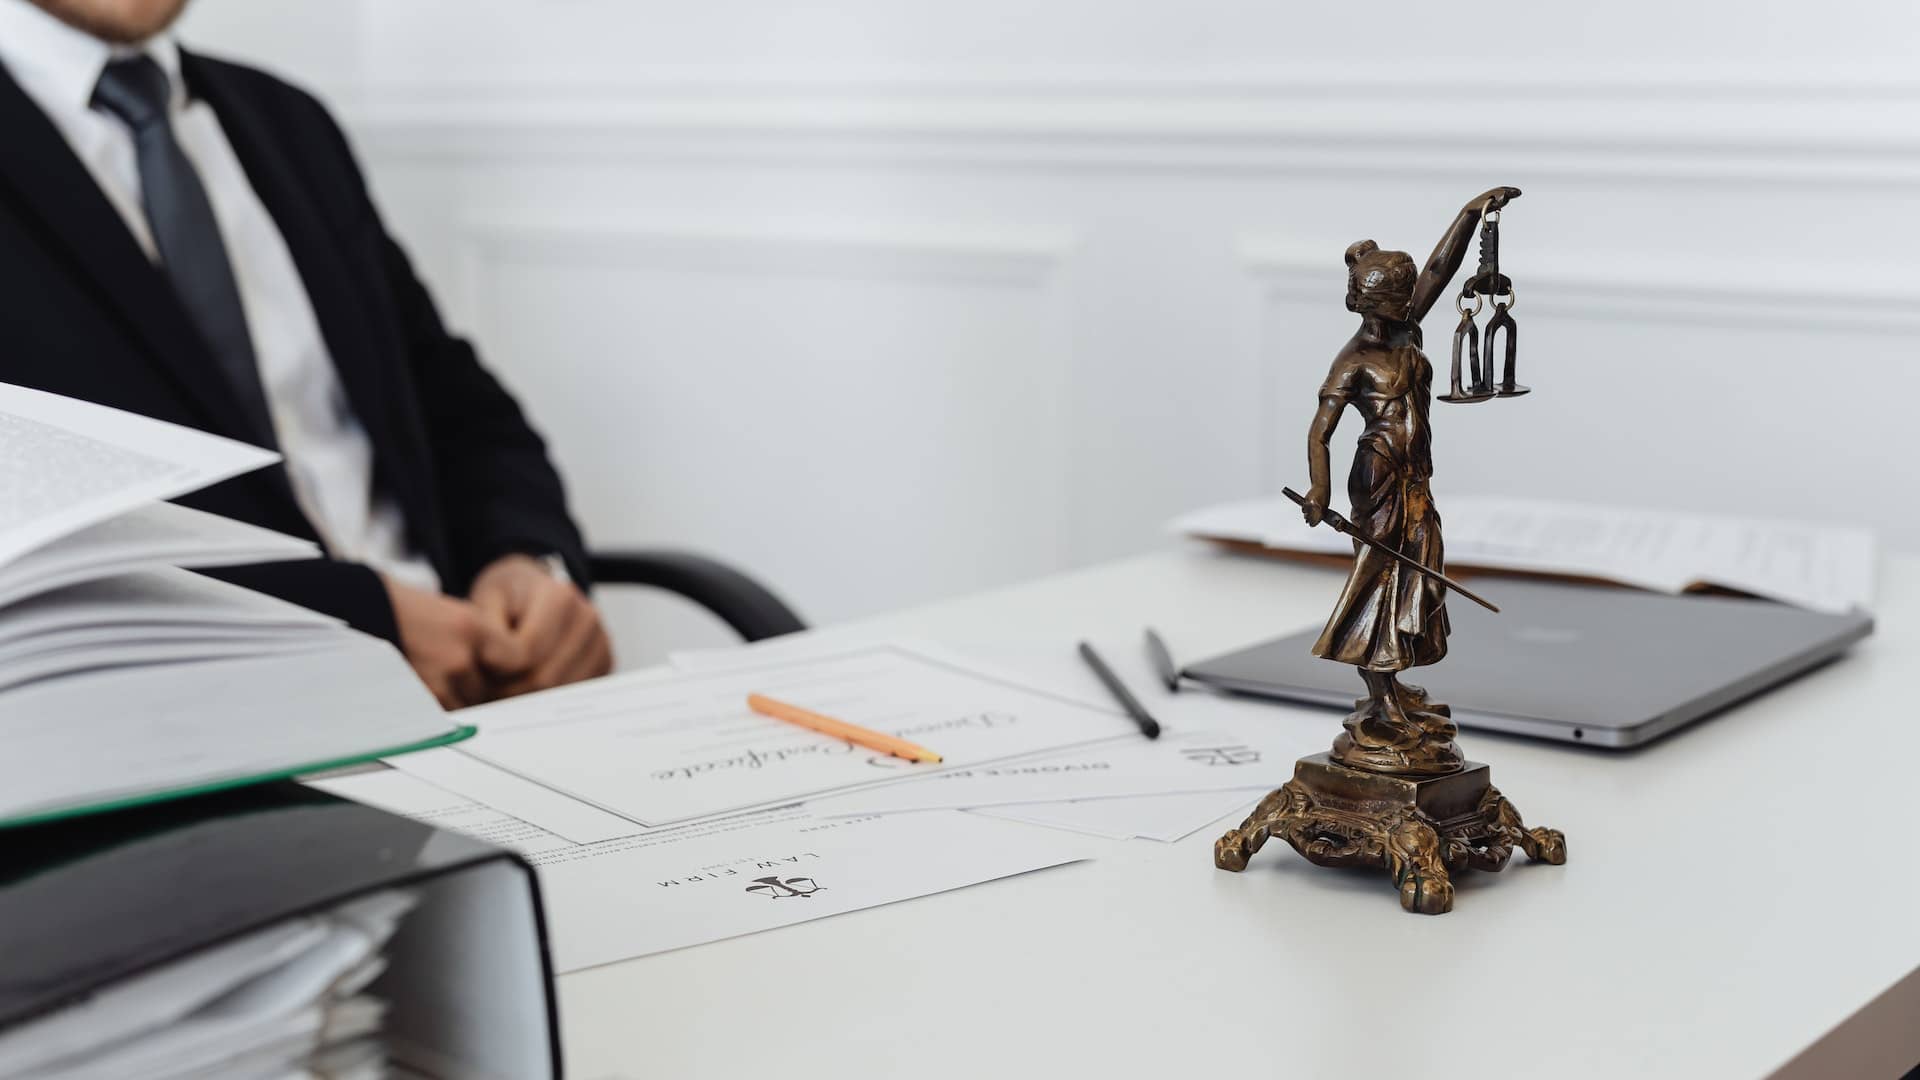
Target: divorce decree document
(659, 750)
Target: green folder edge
(460, 732)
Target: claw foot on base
(1413, 855)
(1421, 830)
(1232, 851)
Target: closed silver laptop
(1599, 666)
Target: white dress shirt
(328, 455)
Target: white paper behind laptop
(1815, 565)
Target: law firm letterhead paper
(670, 888)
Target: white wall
(890, 300)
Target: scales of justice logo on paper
(780, 888)
(1395, 792)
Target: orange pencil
(840, 729)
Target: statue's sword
(1342, 525)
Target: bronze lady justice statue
(1395, 791)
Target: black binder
(88, 901)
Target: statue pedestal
(1420, 829)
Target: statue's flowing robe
(1389, 617)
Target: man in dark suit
(191, 239)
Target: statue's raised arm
(1448, 254)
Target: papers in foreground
(691, 842)
(123, 677)
(67, 464)
(664, 750)
(1820, 567)
(654, 890)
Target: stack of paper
(666, 750)
(123, 676)
(146, 618)
(660, 811)
(613, 891)
(289, 1000)
(86, 545)
(1206, 767)
(1818, 566)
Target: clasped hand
(1314, 508)
(519, 630)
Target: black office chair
(752, 609)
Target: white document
(1175, 763)
(1166, 818)
(1820, 567)
(67, 464)
(452, 769)
(1154, 817)
(147, 538)
(686, 885)
(665, 750)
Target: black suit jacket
(84, 313)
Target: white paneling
(862, 417)
(668, 223)
(1689, 419)
(1694, 384)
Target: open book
(1817, 566)
(125, 678)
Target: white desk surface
(1735, 894)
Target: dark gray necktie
(135, 89)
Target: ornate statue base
(1420, 829)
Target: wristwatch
(556, 567)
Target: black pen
(1163, 661)
(1148, 725)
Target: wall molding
(1695, 78)
(1854, 298)
(1024, 257)
(1666, 127)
